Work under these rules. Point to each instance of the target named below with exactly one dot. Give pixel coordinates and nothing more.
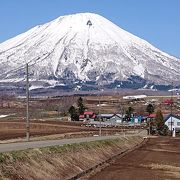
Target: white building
(135, 97)
(117, 118)
(175, 122)
(114, 118)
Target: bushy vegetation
(75, 112)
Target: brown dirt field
(16, 129)
(159, 159)
(11, 130)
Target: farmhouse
(114, 118)
(175, 122)
(117, 118)
(105, 117)
(168, 102)
(151, 116)
(136, 119)
(88, 115)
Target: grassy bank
(61, 162)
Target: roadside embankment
(62, 162)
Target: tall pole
(99, 115)
(27, 104)
(149, 125)
(171, 107)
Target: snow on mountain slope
(84, 48)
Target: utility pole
(149, 126)
(171, 107)
(27, 104)
(99, 115)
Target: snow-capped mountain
(83, 50)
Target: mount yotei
(83, 51)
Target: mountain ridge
(84, 48)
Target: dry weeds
(61, 162)
(168, 169)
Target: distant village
(128, 118)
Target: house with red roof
(88, 115)
(151, 116)
(168, 102)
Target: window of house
(169, 123)
(178, 123)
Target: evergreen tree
(81, 107)
(129, 112)
(159, 119)
(161, 127)
(150, 108)
(73, 113)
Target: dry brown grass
(164, 167)
(168, 169)
(61, 162)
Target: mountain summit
(83, 50)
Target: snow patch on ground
(3, 116)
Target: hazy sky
(157, 21)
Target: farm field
(49, 116)
(16, 129)
(157, 159)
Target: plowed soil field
(17, 129)
(159, 159)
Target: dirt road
(38, 144)
(159, 159)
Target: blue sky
(157, 21)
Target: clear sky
(157, 21)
